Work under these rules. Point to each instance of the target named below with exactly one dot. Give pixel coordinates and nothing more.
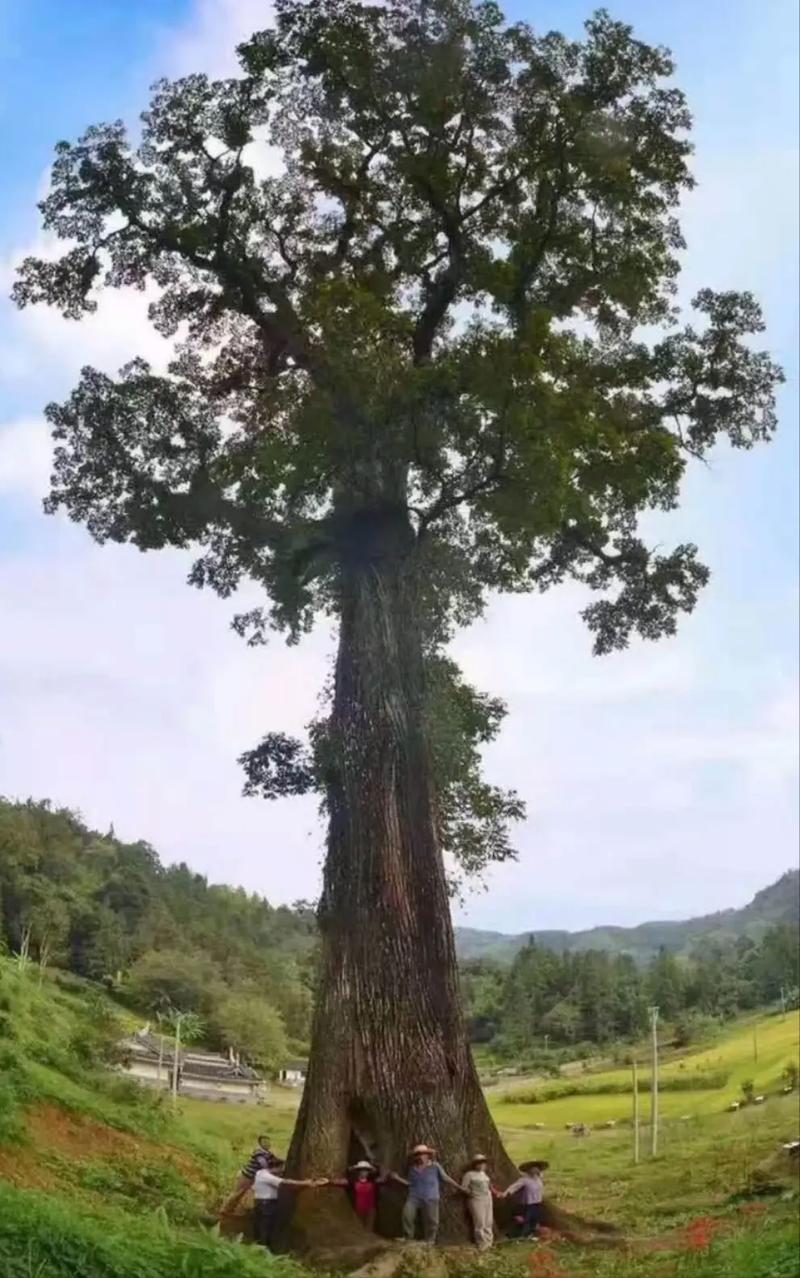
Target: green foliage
(11, 1126)
(594, 997)
(142, 1187)
(180, 978)
(252, 1028)
(434, 158)
(704, 1162)
(158, 937)
(693, 1027)
(696, 1080)
(43, 1238)
(197, 947)
(765, 1251)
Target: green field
(100, 1180)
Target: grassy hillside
(100, 1180)
(778, 903)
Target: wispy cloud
(651, 776)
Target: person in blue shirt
(425, 1180)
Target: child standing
(362, 1182)
(478, 1188)
(529, 1193)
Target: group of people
(424, 1181)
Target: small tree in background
(192, 1026)
(248, 1025)
(411, 370)
(172, 978)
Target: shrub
(791, 1074)
(693, 1027)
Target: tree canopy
(419, 266)
(411, 257)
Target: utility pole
(546, 1041)
(635, 1114)
(160, 1056)
(783, 1004)
(178, 1019)
(654, 1088)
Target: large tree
(426, 349)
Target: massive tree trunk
(390, 1063)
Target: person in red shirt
(362, 1183)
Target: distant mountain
(778, 903)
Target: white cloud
(651, 776)
(126, 695)
(209, 42)
(26, 454)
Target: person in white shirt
(478, 1187)
(265, 1191)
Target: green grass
(227, 1133)
(732, 1057)
(41, 1237)
(137, 1215)
(767, 1250)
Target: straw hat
(362, 1166)
(423, 1149)
(479, 1158)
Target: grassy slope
(126, 1182)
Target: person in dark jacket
(262, 1159)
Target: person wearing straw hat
(478, 1188)
(362, 1182)
(425, 1180)
(529, 1193)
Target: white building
(150, 1059)
(294, 1073)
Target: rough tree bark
(390, 1062)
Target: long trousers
(430, 1219)
(481, 1211)
(266, 1210)
(531, 1215)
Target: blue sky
(662, 782)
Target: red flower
(699, 1234)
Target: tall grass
(44, 1238)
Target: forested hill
(162, 938)
(778, 903)
(159, 935)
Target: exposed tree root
(340, 1241)
(413, 1257)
